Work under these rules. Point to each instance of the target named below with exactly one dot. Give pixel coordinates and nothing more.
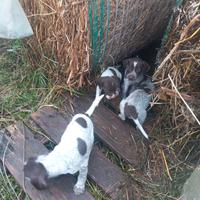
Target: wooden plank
(23, 146)
(118, 135)
(107, 176)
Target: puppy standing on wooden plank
(135, 69)
(134, 106)
(69, 156)
(109, 83)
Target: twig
(179, 139)
(190, 37)
(42, 14)
(166, 165)
(183, 100)
(37, 131)
(189, 51)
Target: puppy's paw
(79, 189)
(122, 117)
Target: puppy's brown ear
(37, 173)
(100, 82)
(145, 67)
(40, 182)
(28, 165)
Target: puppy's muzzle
(113, 95)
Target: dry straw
(64, 38)
(178, 76)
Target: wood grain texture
(22, 145)
(103, 172)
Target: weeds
(22, 89)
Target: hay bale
(71, 36)
(178, 79)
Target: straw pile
(174, 150)
(71, 36)
(60, 44)
(178, 76)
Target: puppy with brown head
(36, 173)
(71, 155)
(135, 70)
(109, 83)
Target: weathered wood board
(102, 171)
(22, 145)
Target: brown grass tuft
(178, 77)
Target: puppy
(134, 106)
(135, 69)
(109, 83)
(69, 156)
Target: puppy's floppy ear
(100, 82)
(116, 80)
(145, 67)
(37, 173)
(40, 182)
(28, 164)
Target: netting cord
(97, 29)
(168, 30)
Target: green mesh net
(97, 10)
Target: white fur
(109, 73)
(65, 157)
(140, 99)
(127, 82)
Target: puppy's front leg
(121, 116)
(79, 188)
(98, 91)
(121, 107)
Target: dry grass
(179, 73)
(60, 43)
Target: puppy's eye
(137, 69)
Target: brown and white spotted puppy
(135, 70)
(109, 83)
(135, 104)
(71, 155)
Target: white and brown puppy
(134, 106)
(135, 70)
(109, 83)
(71, 155)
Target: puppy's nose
(108, 97)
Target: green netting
(170, 23)
(97, 30)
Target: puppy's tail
(95, 103)
(140, 128)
